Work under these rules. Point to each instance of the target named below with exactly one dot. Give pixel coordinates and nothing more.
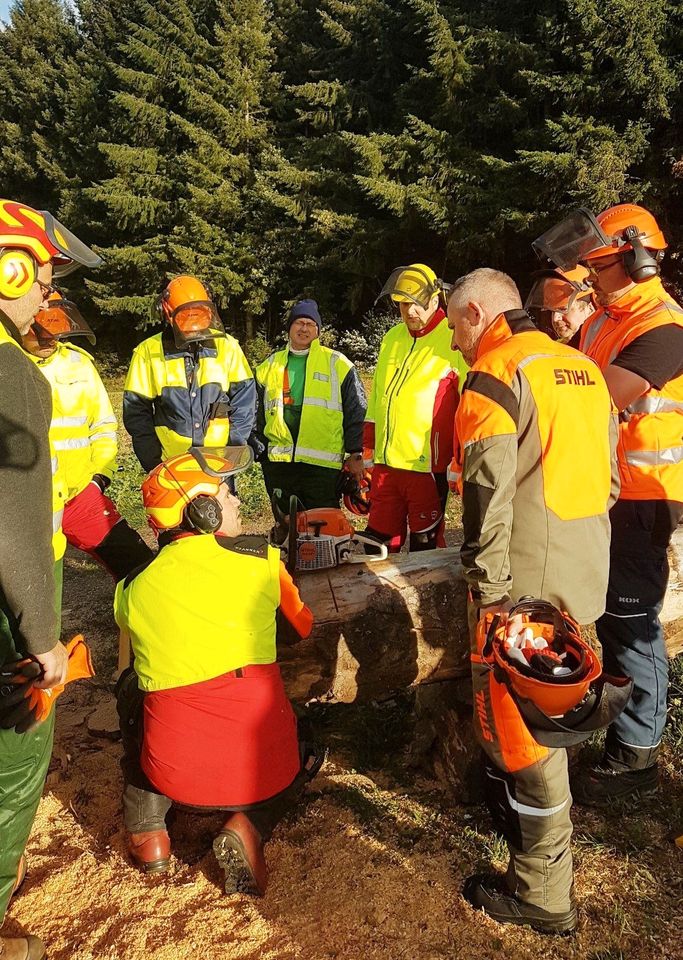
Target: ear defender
(639, 263)
(204, 514)
(18, 272)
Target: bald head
(475, 301)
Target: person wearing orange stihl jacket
(408, 431)
(636, 337)
(532, 414)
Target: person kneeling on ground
(204, 717)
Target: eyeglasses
(46, 288)
(596, 268)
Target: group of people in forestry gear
(557, 421)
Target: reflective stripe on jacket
(534, 437)
(201, 395)
(413, 399)
(650, 446)
(203, 606)
(83, 428)
(321, 439)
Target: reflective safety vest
(83, 428)
(205, 605)
(321, 432)
(650, 448)
(58, 485)
(190, 398)
(403, 401)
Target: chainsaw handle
(381, 548)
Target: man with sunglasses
(636, 338)
(33, 245)
(189, 385)
(408, 436)
(83, 432)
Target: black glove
(16, 679)
(101, 481)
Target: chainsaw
(321, 539)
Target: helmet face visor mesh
(570, 240)
(410, 285)
(223, 462)
(61, 321)
(74, 252)
(195, 321)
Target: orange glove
(79, 668)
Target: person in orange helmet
(83, 432)
(563, 301)
(636, 338)
(189, 385)
(204, 716)
(33, 247)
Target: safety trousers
(630, 631)
(527, 792)
(24, 761)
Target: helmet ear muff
(18, 273)
(639, 263)
(204, 514)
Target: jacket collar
(638, 299)
(432, 325)
(505, 325)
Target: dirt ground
(370, 869)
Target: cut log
(383, 627)
(380, 627)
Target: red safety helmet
(356, 492)
(561, 707)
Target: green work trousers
(24, 759)
(314, 486)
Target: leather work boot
(21, 948)
(602, 786)
(150, 850)
(487, 892)
(238, 848)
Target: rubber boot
(150, 850)
(21, 948)
(238, 848)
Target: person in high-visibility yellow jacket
(311, 405)
(190, 385)
(408, 436)
(83, 436)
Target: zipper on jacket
(391, 394)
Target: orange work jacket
(650, 446)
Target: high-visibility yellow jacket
(202, 394)
(414, 395)
(83, 428)
(650, 450)
(203, 606)
(331, 415)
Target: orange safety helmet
(560, 707)
(558, 290)
(183, 489)
(615, 223)
(30, 238)
(188, 305)
(60, 320)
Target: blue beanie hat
(305, 308)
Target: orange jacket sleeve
(292, 606)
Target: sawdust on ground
(369, 870)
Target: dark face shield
(223, 462)
(61, 321)
(568, 242)
(411, 285)
(74, 253)
(553, 293)
(196, 321)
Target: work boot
(601, 786)
(488, 893)
(150, 850)
(21, 948)
(238, 848)
(21, 876)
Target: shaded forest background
(289, 148)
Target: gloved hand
(101, 481)
(16, 683)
